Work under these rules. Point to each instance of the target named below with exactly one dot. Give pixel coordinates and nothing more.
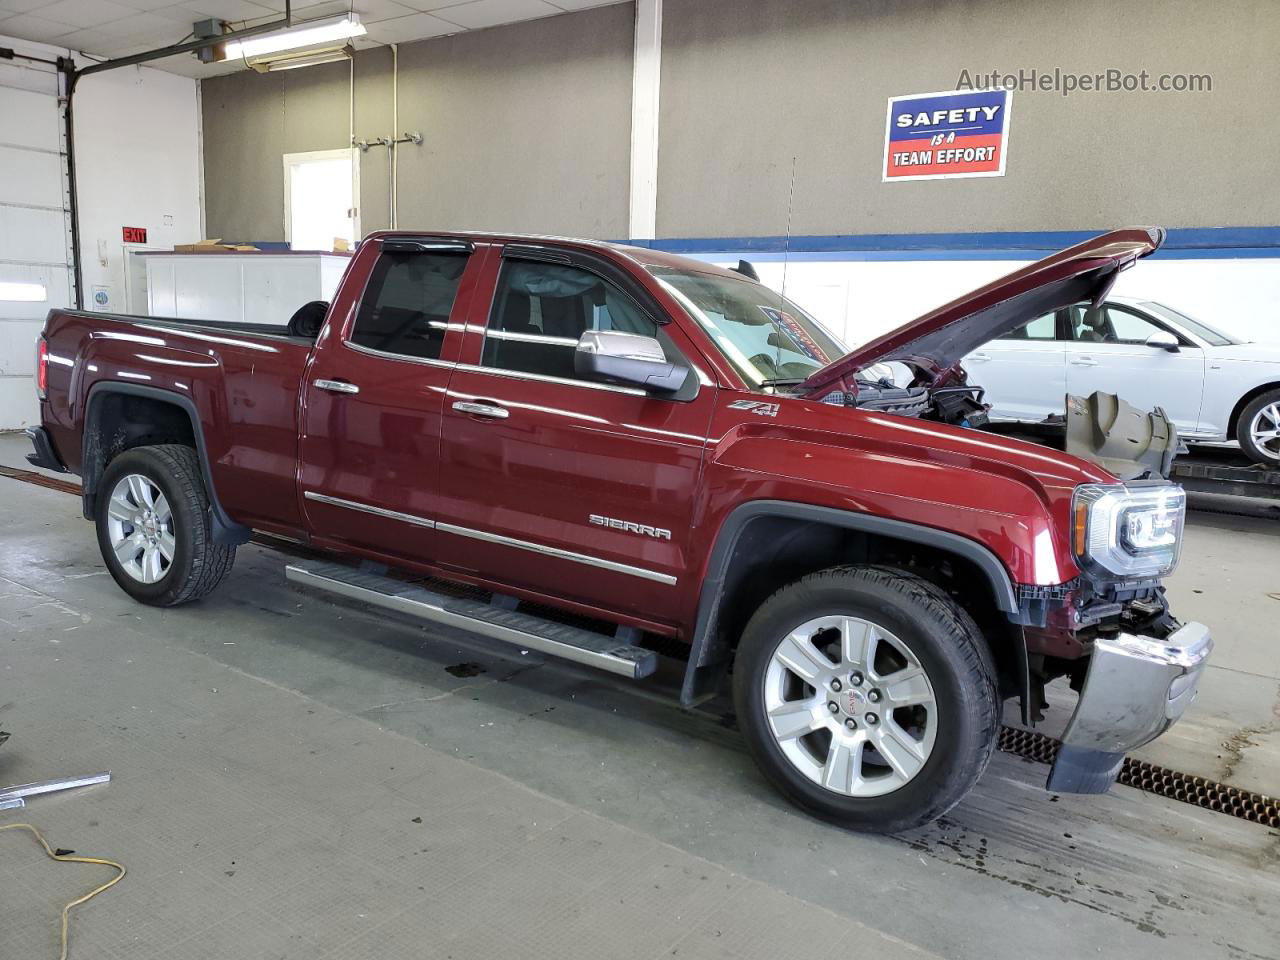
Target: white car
(1212, 386)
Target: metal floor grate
(1163, 782)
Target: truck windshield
(766, 337)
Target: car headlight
(1128, 531)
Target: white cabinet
(239, 287)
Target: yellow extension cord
(69, 858)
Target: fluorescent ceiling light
(23, 292)
(307, 34)
(306, 58)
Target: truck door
(572, 488)
(373, 394)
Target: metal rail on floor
(1232, 479)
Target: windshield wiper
(783, 381)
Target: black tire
(947, 644)
(198, 564)
(1244, 435)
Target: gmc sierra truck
(595, 450)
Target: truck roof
(643, 256)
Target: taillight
(42, 368)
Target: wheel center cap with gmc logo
(855, 701)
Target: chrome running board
(485, 619)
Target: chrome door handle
(482, 409)
(979, 357)
(336, 386)
(1084, 361)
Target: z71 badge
(759, 407)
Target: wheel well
(1243, 402)
(116, 422)
(773, 551)
(125, 416)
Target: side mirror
(1164, 340)
(629, 358)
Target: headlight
(1128, 531)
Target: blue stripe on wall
(1181, 244)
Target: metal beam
(646, 81)
(191, 46)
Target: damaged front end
(1135, 668)
(1128, 443)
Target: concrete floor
(298, 778)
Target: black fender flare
(92, 458)
(704, 655)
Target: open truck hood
(937, 340)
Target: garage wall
(527, 128)
(129, 180)
(859, 296)
(128, 175)
(749, 84)
(250, 121)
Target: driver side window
(541, 309)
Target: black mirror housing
(627, 358)
(1163, 340)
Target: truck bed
(237, 383)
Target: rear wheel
(154, 526)
(867, 697)
(1258, 429)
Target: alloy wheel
(850, 706)
(141, 529)
(1265, 430)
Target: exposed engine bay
(1102, 428)
(946, 399)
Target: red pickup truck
(595, 450)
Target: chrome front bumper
(1136, 687)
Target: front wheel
(154, 530)
(1258, 429)
(867, 697)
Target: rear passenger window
(405, 308)
(540, 311)
(1041, 328)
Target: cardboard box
(213, 246)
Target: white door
(1024, 373)
(35, 242)
(320, 199)
(1108, 351)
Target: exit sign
(135, 234)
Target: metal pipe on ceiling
(71, 75)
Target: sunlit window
(19, 292)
